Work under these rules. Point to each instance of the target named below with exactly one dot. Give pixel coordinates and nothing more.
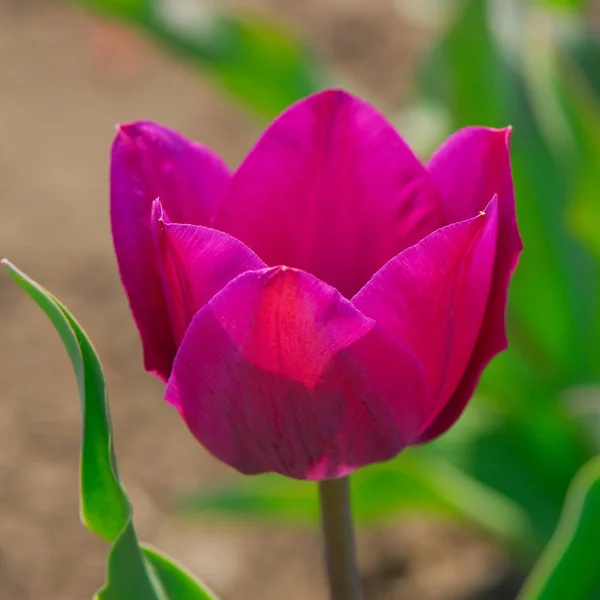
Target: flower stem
(338, 537)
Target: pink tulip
(331, 302)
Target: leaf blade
(104, 506)
(107, 518)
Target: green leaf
(582, 46)
(259, 63)
(581, 106)
(133, 572)
(253, 60)
(176, 580)
(465, 71)
(414, 482)
(570, 566)
(104, 506)
(420, 481)
(269, 496)
(527, 457)
(129, 575)
(564, 4)
(117, 8)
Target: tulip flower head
(329, 303)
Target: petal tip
(502, 134)
(157, 212)
(335, 93)
(491, 206)
(136, 131)
(283, 274)
(331, 97)
(129, 131)
(506, 133)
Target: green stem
(338, 538)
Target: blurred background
(461, 519)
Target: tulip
(332, 301)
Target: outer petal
(149, 161)
(331, 188)
(472, 167)
(280, 373)
(196, 262)
(433, 297)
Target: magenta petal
(149, 161)
(331, 188)
(433, 297)
(196, 263)
(472, 167)
(279, 372)
(468, 170)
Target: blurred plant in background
(526, 65)
(536, 66)
(252, 59)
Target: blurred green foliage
(536, 443)
(416, 481)
(570, 565)
(254, 60)
(535, 81)
(569, 4)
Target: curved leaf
(129, 575)
(104, 506)
(176, 580)
(133, 572)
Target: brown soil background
(65, 80)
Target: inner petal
(331, 188)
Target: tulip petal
(468, 170)
(332, 189)
(433, 297)
(149, 161)
(279, 372)
(196, 263)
